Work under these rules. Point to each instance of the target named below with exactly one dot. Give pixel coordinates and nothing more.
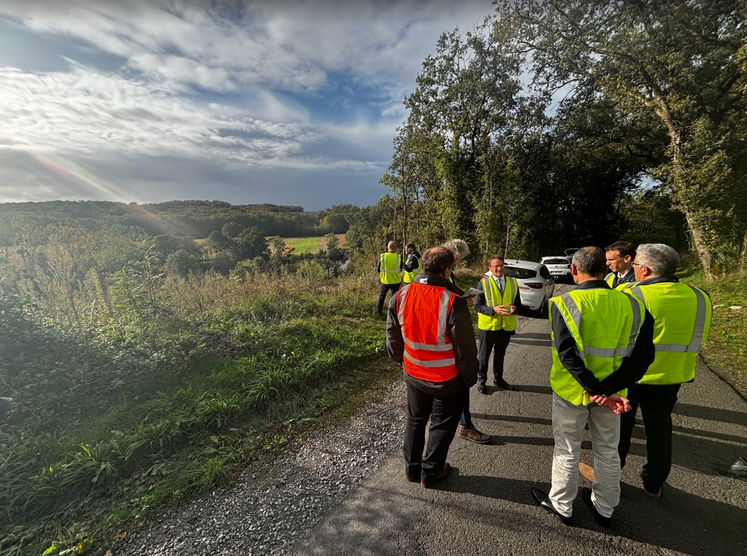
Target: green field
(304, 244)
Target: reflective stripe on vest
(601, 342)
(493, 297)
(423, 313)
(610, 279)
(681, 312)
(389, 268)
(408, 277)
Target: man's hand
(614, 402)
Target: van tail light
(534, 285)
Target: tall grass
(149, 407)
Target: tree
(232, 229)
(682, 65)
(251, 243)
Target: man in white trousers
(602, 342)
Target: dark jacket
(461, 334)
(633, 367)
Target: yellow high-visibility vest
(493, 297)
(682, 318)
(610, 279)
(605, 325)
(408, 277)
(390, 265)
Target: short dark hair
(410, 246)
(494, 257)
(590, 260)
(436, 260)
(625, 248)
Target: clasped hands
(613, 402)
(504, 309)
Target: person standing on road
(496, 321)
(619, 258)
(412, 264)
(602, 342)
(682, 316)
(467, 429)
(429, 332)
(389, 268)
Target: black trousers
(492, 340)
(656, 403)
(444, 415)
(383, 288)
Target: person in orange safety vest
(429, 333)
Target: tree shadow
(532, 339)
(679, 521)
(711, 413)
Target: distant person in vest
(389, 268)
(467, 429)
(429, 332)
(682, 318)
(602, 342)
(619, 256)
(412, 264)
(496, 321)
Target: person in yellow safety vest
(682, 316)
(619, 257)
(412, 264)
(496, 321)
(602, 342)
(429, 332)
(389, 268)
(467, 429)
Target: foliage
(167, 393)
(676, 70)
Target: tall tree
(682, 63)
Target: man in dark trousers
(389, 268)
(429, 333)
(496, 321)
(619, 257)
(682, 318)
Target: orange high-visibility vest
(423, 311)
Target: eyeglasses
(637, 264)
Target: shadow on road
(711, 413)
(695, 525)
(531, 339)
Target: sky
(289, 102)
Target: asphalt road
(485, 505)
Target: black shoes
(599, 518)
(500, 383)
(481, 388)
(541, 499)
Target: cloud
(154, 93)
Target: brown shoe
(587, 471)
(438, 478)
(412, 478)
(474, 435)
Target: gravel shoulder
(271, 507)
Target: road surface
(485, 505)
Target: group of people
(621, 340)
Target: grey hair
(458, 247)
(661, 259)
(590, 260)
